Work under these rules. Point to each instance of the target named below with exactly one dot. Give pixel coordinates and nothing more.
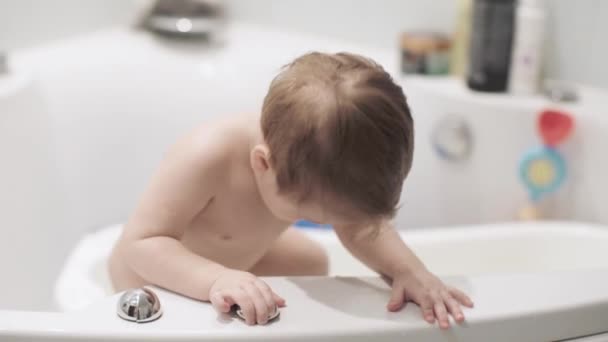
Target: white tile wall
(369, 21)
(599, 58)
(27, 22)
(577, 47)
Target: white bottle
(528, 43)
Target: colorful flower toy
(542, 168)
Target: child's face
(322, 208)
(317, 209)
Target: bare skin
(211, 221)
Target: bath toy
(542, 169)
(529, 213)
(311, 225)
(554, 127)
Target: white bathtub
(87, 120)
(475, 250)
(530, 282)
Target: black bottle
(490, 49)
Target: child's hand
(434, 298)
(256, 299)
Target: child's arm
(386, 253)
(180, 190)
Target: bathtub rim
(93, 247)
(495, 306)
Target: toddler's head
(338, 141)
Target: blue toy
(542, 169)
(310, 225)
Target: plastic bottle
(491, 40)
(526, 60)
(462, 34)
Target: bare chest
(236, 229)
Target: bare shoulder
(214, 146)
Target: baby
(333, 144)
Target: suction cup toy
(554, 127)
(542, 170)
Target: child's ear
(260, 157)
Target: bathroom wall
(28, 22)
(576, 44)
(371, 22)
(576, 47)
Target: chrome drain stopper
(239, 313)
(139, 305)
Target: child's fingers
(427, 309)
(219, 303)
(267, 293)
(441, 312)
(278, 299)
(461, 297)
(453, 307)
(241, 298)
(397, 300)
(256, 297)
